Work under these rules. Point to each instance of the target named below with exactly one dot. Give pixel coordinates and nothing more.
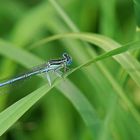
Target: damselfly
(55, 65)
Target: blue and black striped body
(52, 65)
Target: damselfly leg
(48, 78)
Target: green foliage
(105, 94)
(137, 11)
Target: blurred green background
(54, 117)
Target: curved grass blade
(10, 115)
(126, 60)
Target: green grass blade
(10, 115)
(63, 15)
(108, 18)
(87, 113)
(137, 11)
(126, 60)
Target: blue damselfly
(55, 65)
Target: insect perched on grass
(55, 65)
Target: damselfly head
(68, 58)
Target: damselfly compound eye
(68, 58)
